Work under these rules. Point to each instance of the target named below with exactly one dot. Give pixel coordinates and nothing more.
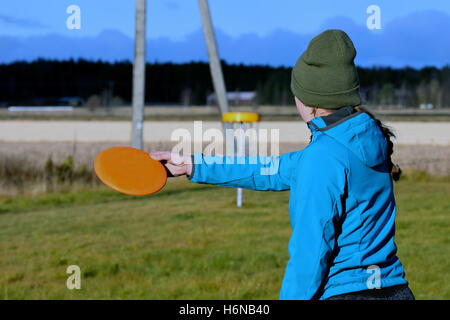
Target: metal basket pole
(240, 153)
(238, 121)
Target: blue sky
(179, 20)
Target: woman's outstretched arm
(256, 173)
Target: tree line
(45, 81)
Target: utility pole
(139, 77)
(214, 62)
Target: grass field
(189, 242)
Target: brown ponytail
(388, 134)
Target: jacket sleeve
(316, 206)
(256, 173)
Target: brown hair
(388, 134)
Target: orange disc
(130, 171)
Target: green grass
(189, 242)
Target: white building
(235, 98)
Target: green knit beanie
(325, 75)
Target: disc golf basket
(238, 124)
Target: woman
(342, 206)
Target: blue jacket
(341, 206)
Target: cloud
(20, 22)
(417, 40)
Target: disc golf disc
(130, 171)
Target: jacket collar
(327, 122)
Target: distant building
(235, 98)
(426, 106)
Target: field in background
(38, 167)
(177, 244)
(180, 113)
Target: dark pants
(401, 292)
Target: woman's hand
(175, 163)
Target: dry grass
(23, 165)
(36, 168)
(433, 160)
